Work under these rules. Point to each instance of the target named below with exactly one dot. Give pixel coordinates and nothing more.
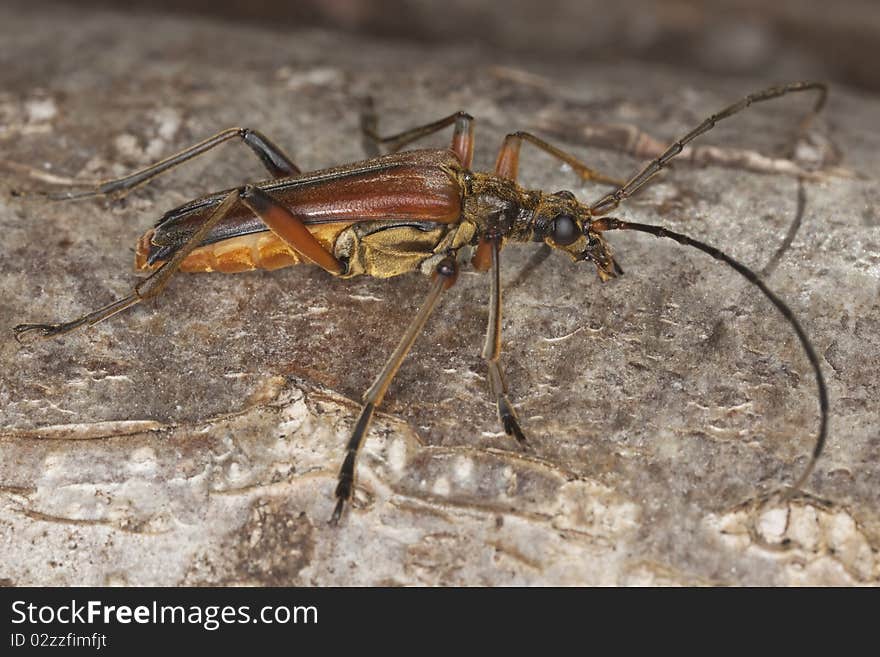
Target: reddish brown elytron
(422, 210)
(404, 188)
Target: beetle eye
(564, 230)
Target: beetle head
(564, 224)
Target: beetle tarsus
(55, 195)
(511, 424)
(345, 487)
(36, 331)
(337, 512)
(41, 331)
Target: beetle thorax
(495, 202)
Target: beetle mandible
(420, 210)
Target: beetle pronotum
(403, 212)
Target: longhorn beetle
(398, 213)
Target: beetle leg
(146, 289)
(289, 228)
(492, 346)
(462, 135)
(444, 277)
(272, 157)
(507, 164)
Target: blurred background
(836, 41)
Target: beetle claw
(512, 428)
(37, 331)
(337, 512)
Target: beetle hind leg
(289, 228)
(148, 288)
(276, 162)
(52, 330)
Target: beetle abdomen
(263, 250)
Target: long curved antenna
(612, 223)
(611, 200)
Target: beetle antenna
(611, 223)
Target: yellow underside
(244, 253)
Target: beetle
(401, 212)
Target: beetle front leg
(444, 277)
(507, 164)
(146, 289)
(272, 157)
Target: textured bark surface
(196, 440)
